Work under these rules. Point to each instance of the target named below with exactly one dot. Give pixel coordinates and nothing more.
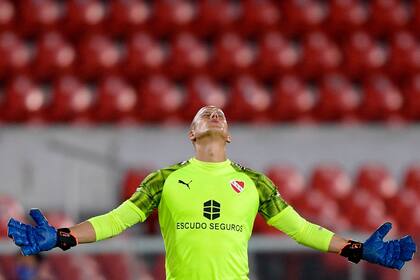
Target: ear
(228, 138)
(191, 135)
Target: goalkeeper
(207, 206)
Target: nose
(214, 115)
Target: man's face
(209, 120)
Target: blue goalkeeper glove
(392, 254)
(42, 237)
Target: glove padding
(33, 239)
(393, 253)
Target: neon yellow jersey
(206, 214)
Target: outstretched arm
(84, 232)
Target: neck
(210, 150)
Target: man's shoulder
(253, 174)
(166, 171)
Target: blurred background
(322, 96)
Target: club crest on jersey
(237, 186)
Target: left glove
(42, 237)
(392, 254)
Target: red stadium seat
(172, 16)
(292, 99)
(37, 16)
(259, 15)
(122, 266)
(214, 16)
(338, 99)
(232, 55)
(415, 21)
(99, 55)
(116, 101)
(15, 54)
(332, 181)
(188, 57)
(59, 219)
(9, 207)
(71, 101)
(346, 16)
(128, 16)
(85, 17)
(145, 56)
(55, 56)
(202, 91)
(249, 100)
(363, 55)
(303, 16)
(74, 266)
(277, 55)
(376, 178)
(288, 180)
(365, 211)
(411, 91)
(412, 178)
(161, 99)
(405, 208)
(404, 56)
(382, 100)
(24, 101)
(8, 15)
(388, 16)
(320, 56)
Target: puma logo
(186, 184)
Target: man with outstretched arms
(207, 206)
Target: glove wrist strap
(353, 251)
(65, 240)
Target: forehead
(209, 109)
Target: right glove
(42, 237)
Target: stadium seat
(98, 55)
(259, 15)
(377, 179)
(412, 178)
(415, 20)
(232, 56)
(249, 101)
(345, 17)
(364, 210)
(9, 207)
(128, 16)
(363, 55)
(39, 16)
(8, 15)
(411, 92)
(302, 16)
(145, 56)
(116, 100)
(173, 16)
(277, 55)
(320, 56)
(382, 100)
(387, 16)
(331, 180)
(292, 99)
(55, 56)
(288, 180)
(16, 56)
(214, 16)
(405, 208)
(404, 58)
(74, 266)
(24, 101)
(202, 90)
(84, 17)
(189, 56)
(122, 266)
(71, 101)
(160, 99)
(338, 99)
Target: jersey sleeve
(271, 203)
(148, 194)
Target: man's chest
(227, 197)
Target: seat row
(157, 99)
(309, 56)
(208, 17)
